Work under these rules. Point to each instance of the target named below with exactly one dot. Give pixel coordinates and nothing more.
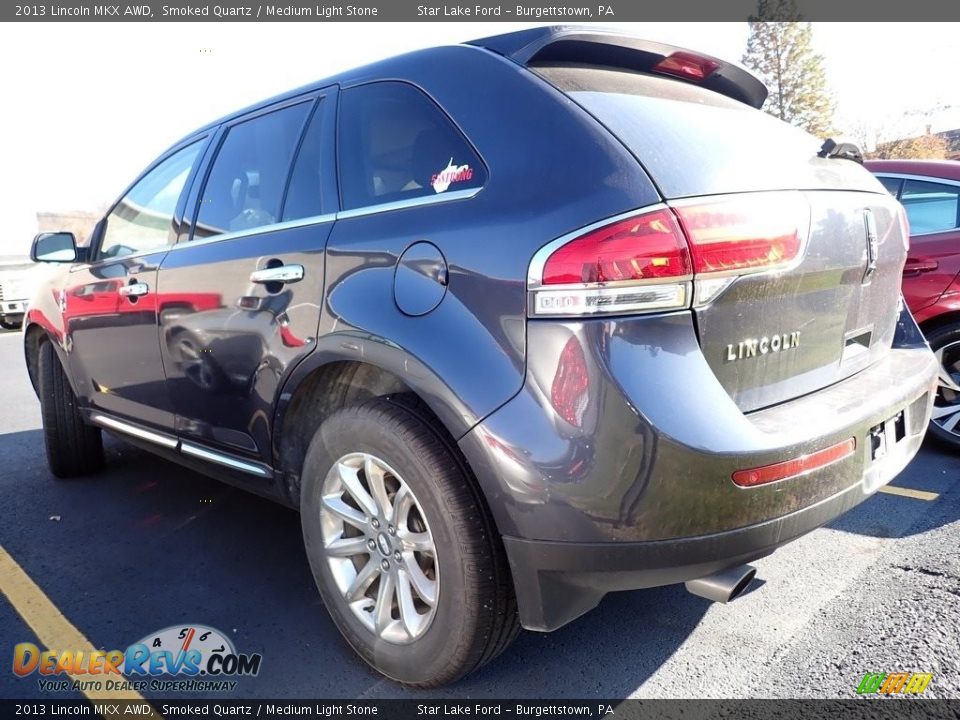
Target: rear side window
(690, 140)
(245, 186)
(396, 144)
(931, 207)
(143, 219)
(892, 184)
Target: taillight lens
(650, 261)
(643, 247)
(744, 233)
(571, 383)
(687, 66)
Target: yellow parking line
(53, 630)
(910, 493)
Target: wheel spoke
(351, 482)
(944, 377)
(336, 505)
(383, 610)
(941, 411)
(951, 422)
(408, 611)
(425, 587)
(347, 547)
(376, 479)
(402, 504)
(362, 581)
(418, 542)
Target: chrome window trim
(259, 230)
(221, 459)
(157, 438)
(411, 203)
(921, 178)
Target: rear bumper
(556, 582)
(641, 494)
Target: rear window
(694, 141)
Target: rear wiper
(843, 149)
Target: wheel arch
(347, 372)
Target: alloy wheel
(379, 548)
(946, 408)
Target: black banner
(561, 11)
(855, 709)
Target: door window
(931, 207)
(396, 144)
(244, 188)
(143, 219)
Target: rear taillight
(687, 66)
(651, 260)
(744, 233)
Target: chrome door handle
(282, 274)
(134, 289)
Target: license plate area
(883, 438)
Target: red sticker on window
(449, 175)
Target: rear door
(109, 305)
(240, 293)
(933, 210)
(825, 313)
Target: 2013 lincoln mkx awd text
(514, 324)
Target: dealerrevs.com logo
(204, 656)
(903, 683)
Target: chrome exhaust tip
(724, 586)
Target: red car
(930, 192)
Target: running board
(173, 443)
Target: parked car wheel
(945, 422)
(10, 325)
(74, 448)
(402, 548)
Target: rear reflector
(795, 467)
(687, 66)
(571, 383)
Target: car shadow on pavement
(146, 544)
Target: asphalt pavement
(146, 544)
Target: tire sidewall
(428, 656)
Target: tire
(945, 424)
(10, 324)
(74, 448)
(474, 615)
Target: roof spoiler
(589, 46)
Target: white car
(17, 281)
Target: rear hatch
(768, 336)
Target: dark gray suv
(514, 324)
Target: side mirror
(59, 247)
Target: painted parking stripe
(910, 493)
(53, 630)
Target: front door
(109, 304)
(241, 292)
